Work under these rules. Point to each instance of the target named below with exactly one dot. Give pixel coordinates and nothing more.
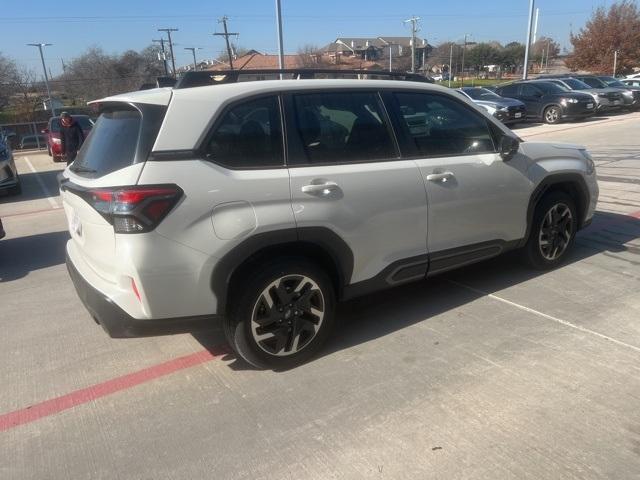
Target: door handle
(440, 177)
(322, 189)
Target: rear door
(347, 177)
(112, 156)
(476, 200)
(532, 98)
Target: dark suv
(549, 102)
(630, 95)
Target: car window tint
(339, 127)
(249, 135)
(441, 126)
(508, 90)
(529, 91)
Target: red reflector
(135, 289)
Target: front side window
(440, 126)
(249, 135)
(336, 127)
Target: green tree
(615, 29)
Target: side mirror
(44, 130)
(508, 147)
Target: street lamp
(46, 77)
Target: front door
(346, 177)
(476, 201)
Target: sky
(117, 25)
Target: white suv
(264, 203)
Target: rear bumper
(118, 323)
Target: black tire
(549, 117)
(286, 314)
(537, 250)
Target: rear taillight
(134, 209)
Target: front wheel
(553, 231)
(283, 315)
(552, 114)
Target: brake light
(134, 209)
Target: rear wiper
(81, 169)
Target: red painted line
(34, 211)
(85, 395)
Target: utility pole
(193, 51)
(464, 50)
(615, 62)
(226, 36)
(280, 44)
(450, 64)
(44, 69)
(414, 30)
(528, 45)
(173, 60)
(391, 57)
(535, 28)
(164, 55)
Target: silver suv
(263, 203)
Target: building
(373, 48)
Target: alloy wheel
(287, 315)
(552, 114)
(555, 231)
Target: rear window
(112, 144)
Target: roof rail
(218, 77)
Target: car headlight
(504, 109)
(564, 101)
(489, 109)
(591, 166)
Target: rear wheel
(283, 315)
(553, 231)
(552, 114)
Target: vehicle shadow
(31, 188)
(22, 255)
(367, 318)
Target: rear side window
(112, 144)
(439, 126)
(249, 135)
(530, 91)
(508, 90)
(337, 127)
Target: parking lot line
(85, 395)
(45, 190)
(548, 317)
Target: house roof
(360, 43)
(404, 41)
(255, 60)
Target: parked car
(9, 178)
(631, 82)
(634, 76)
(192, 203)
(606, 99)
(630, 96)
(549, 102)
(33, 141)
(507, 110)
(52, 131)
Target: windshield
(481, 94)
(576, 84)
(594, 82)
(84, 122)
(548, 87)
(612, 82)
(112, 145)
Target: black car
(2, 234)
(549, 102)
(606, 99)
(507, 110)
(630, 95)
